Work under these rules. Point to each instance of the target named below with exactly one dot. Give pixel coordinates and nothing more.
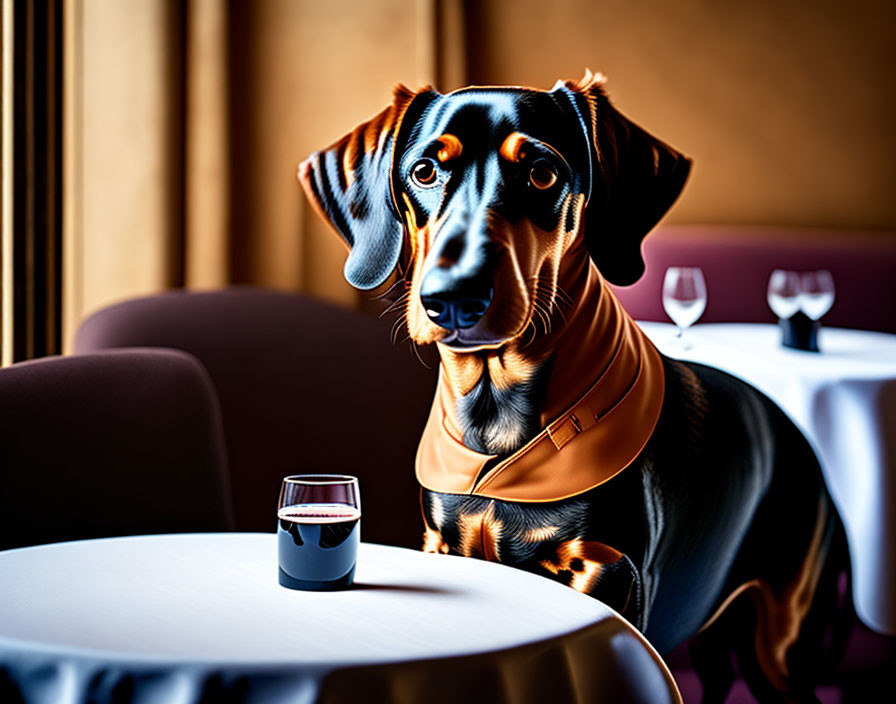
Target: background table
(844, 400)
(188, 618)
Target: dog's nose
(455, 314)
(454, 304)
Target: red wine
(317, 545)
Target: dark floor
(866, 675)
(690, 690)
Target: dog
(560, 440)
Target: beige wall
(184, 122)
(306, 72)
(786, 106)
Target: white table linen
(185, 617)
(844, 400)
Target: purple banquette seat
(107, 444)
(737, 262)
(304, 387)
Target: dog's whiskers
(530, 324)
(553, 301)
(396, 304)
(388, 292)
(415, 349)
(563, 296)
(545, 303)
(560, 312)
(539, 310)
(399, 323)
(547, 319)
(535, 310)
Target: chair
(737, 261)
(107, 444)
(304, 387)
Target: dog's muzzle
(457, 290)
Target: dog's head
(479, 198)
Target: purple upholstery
(307, 387)
(116, 443)
(304, 387)
(737, 262)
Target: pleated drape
(185, 123)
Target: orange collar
(603, 401)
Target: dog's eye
(424, 173)
(542, 175)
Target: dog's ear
(350, 186)
(635, 180)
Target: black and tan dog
(560, 441)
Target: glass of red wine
(318, 531)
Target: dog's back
(733, 470)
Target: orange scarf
(603, 401)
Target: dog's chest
(501, 531)
(548, 538)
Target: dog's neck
(503, 398)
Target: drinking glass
(816, 293)
(684, 297)
(318, 531)
(784, 293)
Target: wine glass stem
(682, 341)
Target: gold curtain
(30, 178)
(185, 123)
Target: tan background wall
(786, 106)
(185, 121)
(184, 126)
(303, 73)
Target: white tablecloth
(844, 400)
(188, 618)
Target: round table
(843, 398)
(200, 617)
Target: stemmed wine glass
(784, 293)
(816, 293)
(684, 297)
(799, 301)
